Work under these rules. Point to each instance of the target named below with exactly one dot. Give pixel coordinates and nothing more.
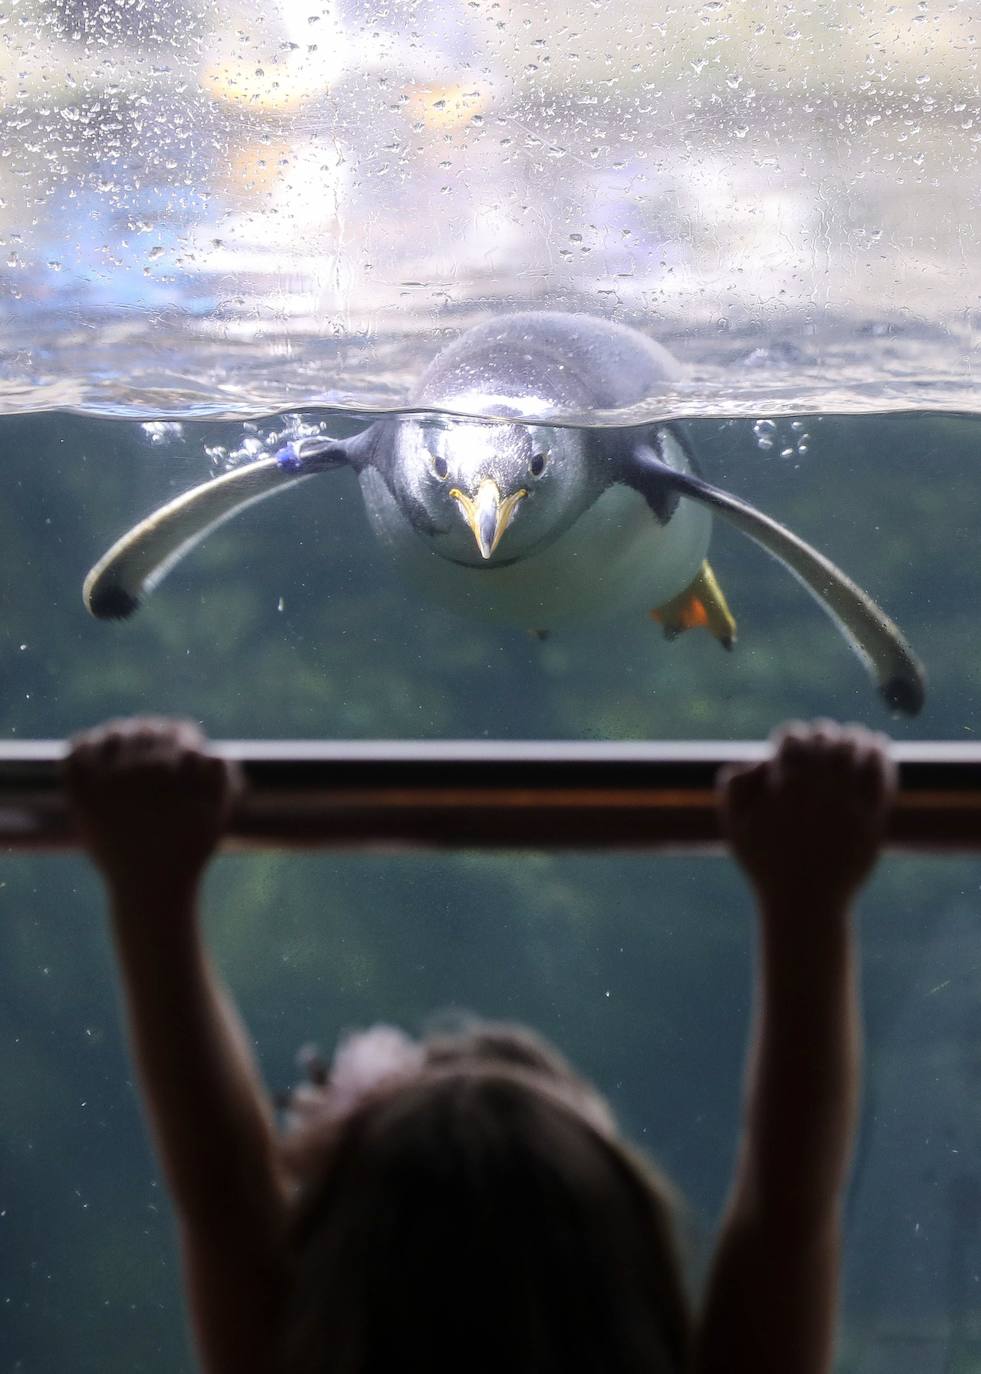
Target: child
(466, 1203)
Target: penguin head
(485, 493)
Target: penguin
(510, 517)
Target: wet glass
(277, 205)
(228, 230)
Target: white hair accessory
(363, 1060)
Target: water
(194, 360)
(638, 968)
(294, 619)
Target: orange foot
(701, 603)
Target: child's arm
(151, 806)
(806, 827)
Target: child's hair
(476, 1212)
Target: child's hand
(150, 802)
(806, 825)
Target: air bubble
(765, 432)
(157, 432)
(258, 442)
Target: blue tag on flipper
(311, 455)
(288, 459)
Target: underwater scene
(611, 372)
(322, 612)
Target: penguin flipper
(876, 639)
(701, 603)
(130, 570)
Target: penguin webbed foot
(702, 603)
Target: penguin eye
(537, 465)
(441, 468)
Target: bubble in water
(158, 432)
(765, 432)
(250, 448)
(258, 442)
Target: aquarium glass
(638, 968)
(232, 231)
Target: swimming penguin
(507, 517)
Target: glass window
(234, 236)
(637, 967)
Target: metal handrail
(460, 794)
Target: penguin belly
(616, 558)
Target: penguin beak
(487, 515)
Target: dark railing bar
(508, 794)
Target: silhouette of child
(466, 1203)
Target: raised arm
(806, 827)
(151, 805)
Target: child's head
(476, 1211)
